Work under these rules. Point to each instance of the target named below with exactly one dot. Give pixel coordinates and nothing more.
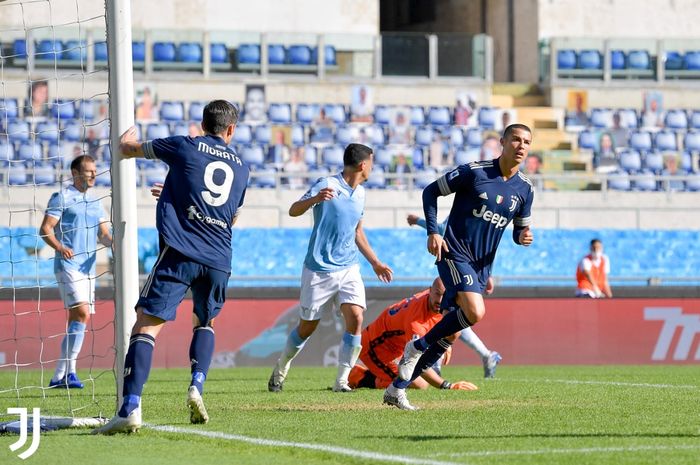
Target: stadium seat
(601, 118)
(382, 115)
(417, 117)
(474, 137)
(248, 54)
(628, 118)
(253, 155)
(619, 181)
(673, 61)
(196, 111)
(104, 177)
(86, 110)
(306, 112)
(456, 136)
(7, 151)
(311, 156)
(49, 49)
(180, 128)
(280, 113)
(640, 140)
(376, 179)
(8, 109)
(630, 161)
(692, 60)
(172, 111)
(467, 155)
(618, 59)
(19, 48)
(345, 135)
(654, 161)
(157, 131)
(424, 177)
(219, 52)
(691, 141)
(693, 183)
(566, 59)
(30, 151)
(588, 140)
(336, 112)
(63, 109)
(265, 177)
(488, 117)
(694, 122)
(189, 52)
(16, 174)
(263, 134)
(590, 59)
(418, 157)
(383, 157)
(75, 50)
(638, 59)
(243, 134)
(332, 156)
(164, 52)
(676, 119)
(276, 54)
(138, 51)
(424, 136)
(299, 55)
(44, 174)
(376, 134)
(687, 162)
(439, 116)
(329, 55)
(47, 131)
(18, 131)
(101, 51)
(155, 174)
(297, 135)
(665, 140)
(645, 181)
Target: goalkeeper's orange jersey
(384, 339)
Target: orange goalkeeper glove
(459, 386)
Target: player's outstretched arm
(383, 271)
(129, 145)
(299, 207)
(437, 381)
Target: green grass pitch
(528, 415)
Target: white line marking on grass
(585, 450)
(603, 383)
(361, 454)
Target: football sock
(136, 369)
(349, 351)
(428, 359)
(294, 345)
(70, 348)
(454, 322)
(469, 337)
(201, 352)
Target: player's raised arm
(383, 271)
(129, 145)
(309, 199)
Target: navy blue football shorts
(172, 275)
(459, 277)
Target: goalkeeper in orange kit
(384, 339)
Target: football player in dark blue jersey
(488, 196)
(200, 201)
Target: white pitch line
(603, 383)
(586, 450)
(376, 456)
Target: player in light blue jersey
(199, 204)
(331, 271)
(488, 196)
(73, 222)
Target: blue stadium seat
(311, 156)
(16, 174)
(75, 50)
(30, 151)
(248, 54)
(654, 161)
(86, 110)
(618, 59)
(619, 181)
(676, 119)
(329, 55)
(219, 52)
(138, 51)
(336, 112)
(307, 112)
(243, 134)
(264, 177)
(686, 161)
(297, 135)
(424, 177)
(164, 52)
(467, 155)
(49, 49)
(8, 109)
(280, 113)
(18, 131)
(299, 55)
(157, 131)
(673, 60)
(456, 136)
(7, 151)
(439, 116)
(276, 54)
(418, 157)
(665, 140)
(566, 59)
(601, 118)
(332, 156)
(424, 136)
(263, 134)
(629, 118)
(376, 134)
(588, 140)
(156, 174)
(693, 183)
(180, 128)
(692, 60)
(645, 181)
(345, 135)
(196, 111)
(63, 109)
(474, 137)
(253, 155)
(488, 117)
(638, 59)
(172, 111)
(640, 140)
(189, 52)
(19, 48)
(376, 179)
(101, 51)
(630, 161)
(44, 174)
(382, 115)
(691, 141)
(383, 157)
(47, 131)
(590, 59)
(417, 117)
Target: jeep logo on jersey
(491, 217)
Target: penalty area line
(360, 454)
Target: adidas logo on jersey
(490, 217)
(484, 196)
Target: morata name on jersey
(206, 148)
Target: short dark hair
(595, 241)
(356, 154)
(218, 115)
(78, 162)
(515, 126)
